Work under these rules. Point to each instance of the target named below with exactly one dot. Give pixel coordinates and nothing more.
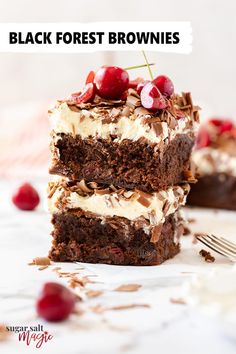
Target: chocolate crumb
(43, 267)
(101, 309)
(93, 293)
(128, 287)
(178, 301)
(186, 231)
(207, 256)
(40, 261)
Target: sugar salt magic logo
(173, 37)
(31, 335)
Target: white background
(209, 72)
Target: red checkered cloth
(24, 141)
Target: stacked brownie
(215, 160)
(124, 172)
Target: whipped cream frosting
(131, 204)
(209, 160)
(88, 123)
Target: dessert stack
(215, 159)
(121, 153)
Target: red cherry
(111, 82)
(222, 125)
(216, 122)
(226, 127)
(87, 95)
(203, 138)
(134, 83)
(26, 197)
(151, 98)
(141, 85)
(164, 84)
(55, 302)
(90, 77)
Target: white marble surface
(164, 327)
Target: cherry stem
(147, 64)
(138, 66)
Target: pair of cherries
(111, 82)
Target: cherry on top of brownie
(218, 133)
(111, 86)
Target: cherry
(55, 302)
(216, 122)
(203, 138)
(87, 94)
(222, 125)
(111, 82)
(141, 85)
(165, 85)
(151, 98)
(90, 77)
(26, 197)
(226, 127)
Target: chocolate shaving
(133, 101)
(82, 185)
(102, 191)
(126, 111)
(156, 233)
(166, 207)
(100, 309)
(115, 112)
(178, 301)
(41, 261)
(128, 287)
(157, 127)
(141, 111)
(93, 293)
(144, 201)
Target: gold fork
(220, 245)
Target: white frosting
(88, 123)
(114, 205)
(209, 160)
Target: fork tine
(206, 242)
(221, 248)
(215, 247)
(229, 243)
(222, 244)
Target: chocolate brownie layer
(128, 164)
(214, 191)
(78, 236)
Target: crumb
(93, 293)
(56, 269)
(186, 231)
(191, 220)
(43, 267)
(129, 306)
(207, 256)
(75, 281)
(178, 301)
(128, 287)
(101, 309)
(40, 261)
